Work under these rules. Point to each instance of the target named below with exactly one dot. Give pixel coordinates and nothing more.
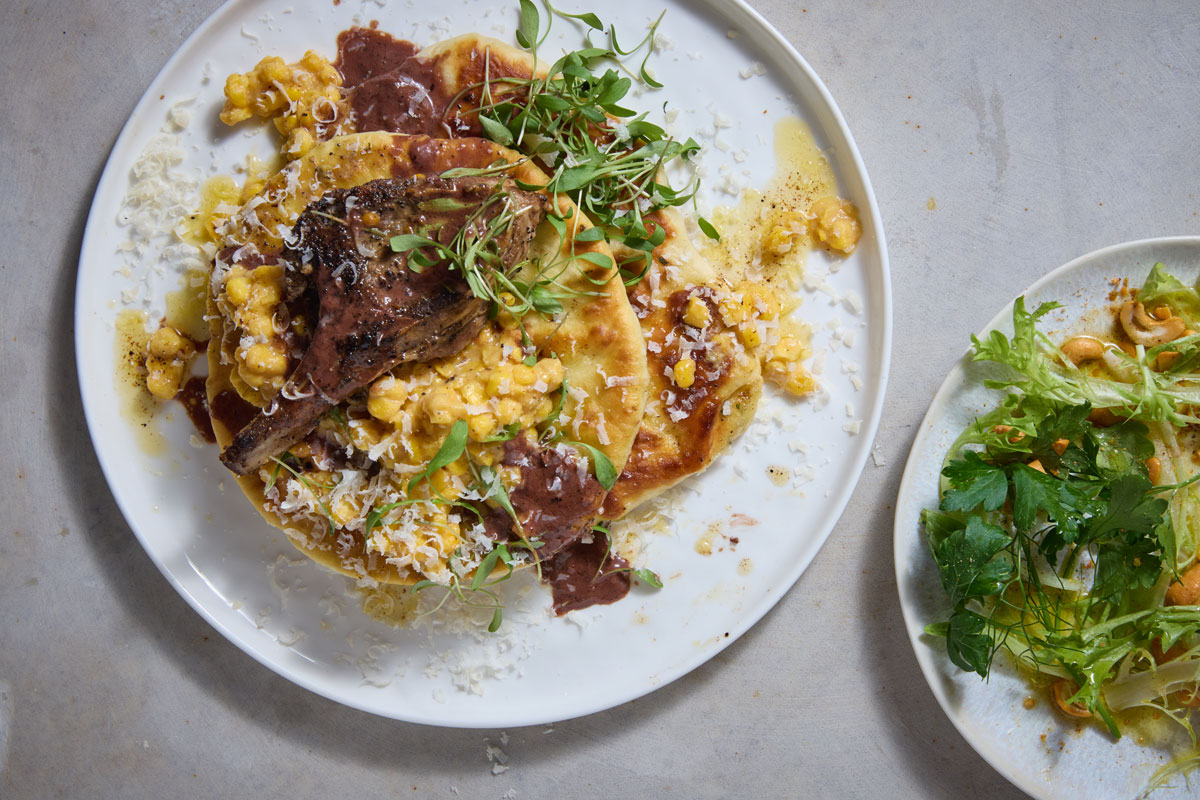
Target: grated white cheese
(755, 68)
(877, 456)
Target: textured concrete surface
(1002, 141)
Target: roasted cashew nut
(1081, 349)
(1145, 330)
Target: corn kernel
(778, 241)
(343, 511)
(749, 301)
(685, 372)
(480, 426)
(788, 349)
(444, 484)
(776, 372)
(313, 62)
(731, 311)
(835, 224)
(266, 295)
(509, 411)
(268, 272)
(499, 380)
(800, 382)
(697, 314)
(161, 383)
(237, 289)
(237, 90)
(265, 360)
(551, 372)
(299, 142)
(1166, 360)
(385, 400)
(443, 407)
(524, 375)
(472, 392)
(167, 343)
(273, 68)
(490, 356)
(767, 305)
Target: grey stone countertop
(1002, 139)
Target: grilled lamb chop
(373, 310)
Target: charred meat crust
(372, 310)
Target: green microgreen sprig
(451, 450)
(647, 576)
(604, 156)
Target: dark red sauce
(389, 89)
(586, 574)
(557, 508)
(364, 53)
(231, 410)
(195, 402)
(553, 504)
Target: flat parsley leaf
(968, 643)
(1125, 566)
(1130, 510)
(965, 560)
(1034, 491)
(1122, 448)
(1067, 424)
(974, 483)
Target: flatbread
(597, 339)
(683, 429)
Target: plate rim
(903, 536)
(879, 276)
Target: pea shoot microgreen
(602, 466)
(709, 229)
(605, 157)
(451, 450)
(376, 515)
(507, 433)
(482, 581)
(648, 577)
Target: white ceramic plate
(1037, 749)
(301, 621)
